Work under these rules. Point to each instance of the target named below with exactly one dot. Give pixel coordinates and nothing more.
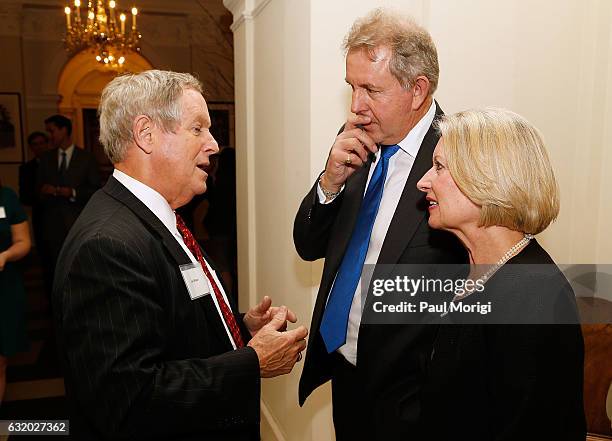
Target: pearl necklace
(506, 257)
(513, 251)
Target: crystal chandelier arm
(77, 15)
(100, 32)
(134, 14)
(67, 12)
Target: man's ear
(142, 129)
(420, 92)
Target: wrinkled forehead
(193, 107)
(363, 67)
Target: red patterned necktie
(193, 246)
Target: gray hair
(154, 93)
(413, 52)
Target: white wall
(548, 60)
(273, 141)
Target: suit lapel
(409, 214)
(116, 190)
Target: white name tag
(2, 213)
(195, 280)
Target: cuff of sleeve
(322, 199)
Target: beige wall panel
(282, 133)
(604, 247)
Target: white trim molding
(261, 5)
(270, 429)
(244, 10)
(239, 10)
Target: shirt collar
(412, 142)
(152, 199)
(68, 151)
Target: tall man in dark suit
(67, 178)
(365, 209)
(151, 345)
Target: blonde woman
(492, 185)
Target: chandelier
(109, 43)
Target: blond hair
(498, 160)
(154, 93)
(413, 52)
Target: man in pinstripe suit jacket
(146, 355)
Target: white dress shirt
(398, 171)
(68, 151)
(160, 208)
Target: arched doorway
(79, 86)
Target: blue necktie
(335, 317)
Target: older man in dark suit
(365, 209)
(151, 345)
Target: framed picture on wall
(11, 137)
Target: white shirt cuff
(322, 199)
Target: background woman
(14, 245)
(492, 185)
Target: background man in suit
(38, 143)
(368, 210)
(151, 346)
(67, 177)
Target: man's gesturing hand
(278, 351)
(261, 315)
(349, 152)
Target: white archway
(81, 82)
